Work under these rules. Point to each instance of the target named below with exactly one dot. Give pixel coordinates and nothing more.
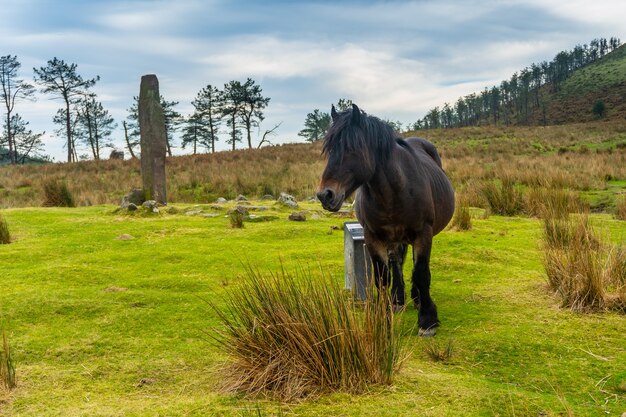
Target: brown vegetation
(293, 337)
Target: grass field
(101, 326)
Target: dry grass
(5, 234)
(437, 353)
(587, 274)
(295, 337)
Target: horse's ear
(333, 112)
(356, 115)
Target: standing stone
(153, 139)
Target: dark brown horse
(403, 198)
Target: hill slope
(603, 80)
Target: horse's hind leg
(396, 261)
(420, 292)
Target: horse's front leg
(380, 263)
(420, 292)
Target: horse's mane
(369, 136)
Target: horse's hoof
(430, 332)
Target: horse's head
(351, 161)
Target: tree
(62, 79)
(13, 89)
(344, 104)
(27, 145)
(208, 105)
(173, 120)
(252, 108)
(195, 132)
(316, 125)
(233, 106)
(95, 125)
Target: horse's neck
(387, 180)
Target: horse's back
(443, 193)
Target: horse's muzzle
(330, 200)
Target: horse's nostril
(326, 195)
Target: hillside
(603, 80)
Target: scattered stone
(287, 200)
(145, 381)
(135, 196)
(259, 219)
(241, 210)
(209, 215)
(258, 208)
(115, 289)
(115, 154)
(216, 207)
(241, 197)
(297, 217)
(221, 200)
(267, 197)
(151, 205)
(193, 212)
(125, 236)
(132, 207)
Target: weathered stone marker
(153, 140)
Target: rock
(267, 197)
(193, 212)
(115, 154)
(241, 210)
(132, 207)
(135, 196)
(221, 200)
(151, 205)
(115, 289)
(241, 197)
(297, 217)
(287, 200)
(125, 236)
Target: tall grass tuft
(503, 198)
(437, 353)
(586, 274)
(620, 208)
(7, 367)
(5, 234)
(293, 337)
(462, 219)
(56, 194)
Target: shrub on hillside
(56, 194)
(296, 336)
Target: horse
(403, 197)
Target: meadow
(106, 311)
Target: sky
(395, 59)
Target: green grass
(108, 327)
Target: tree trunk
(70, 147)
(130, 148)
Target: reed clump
(293, 336)
(57, 194)
(504, 197)
(5, 233)
(620, 208)
(586, 274)
(8, 380)
(462, 219)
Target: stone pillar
(153, 139)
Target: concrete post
(153, 139)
